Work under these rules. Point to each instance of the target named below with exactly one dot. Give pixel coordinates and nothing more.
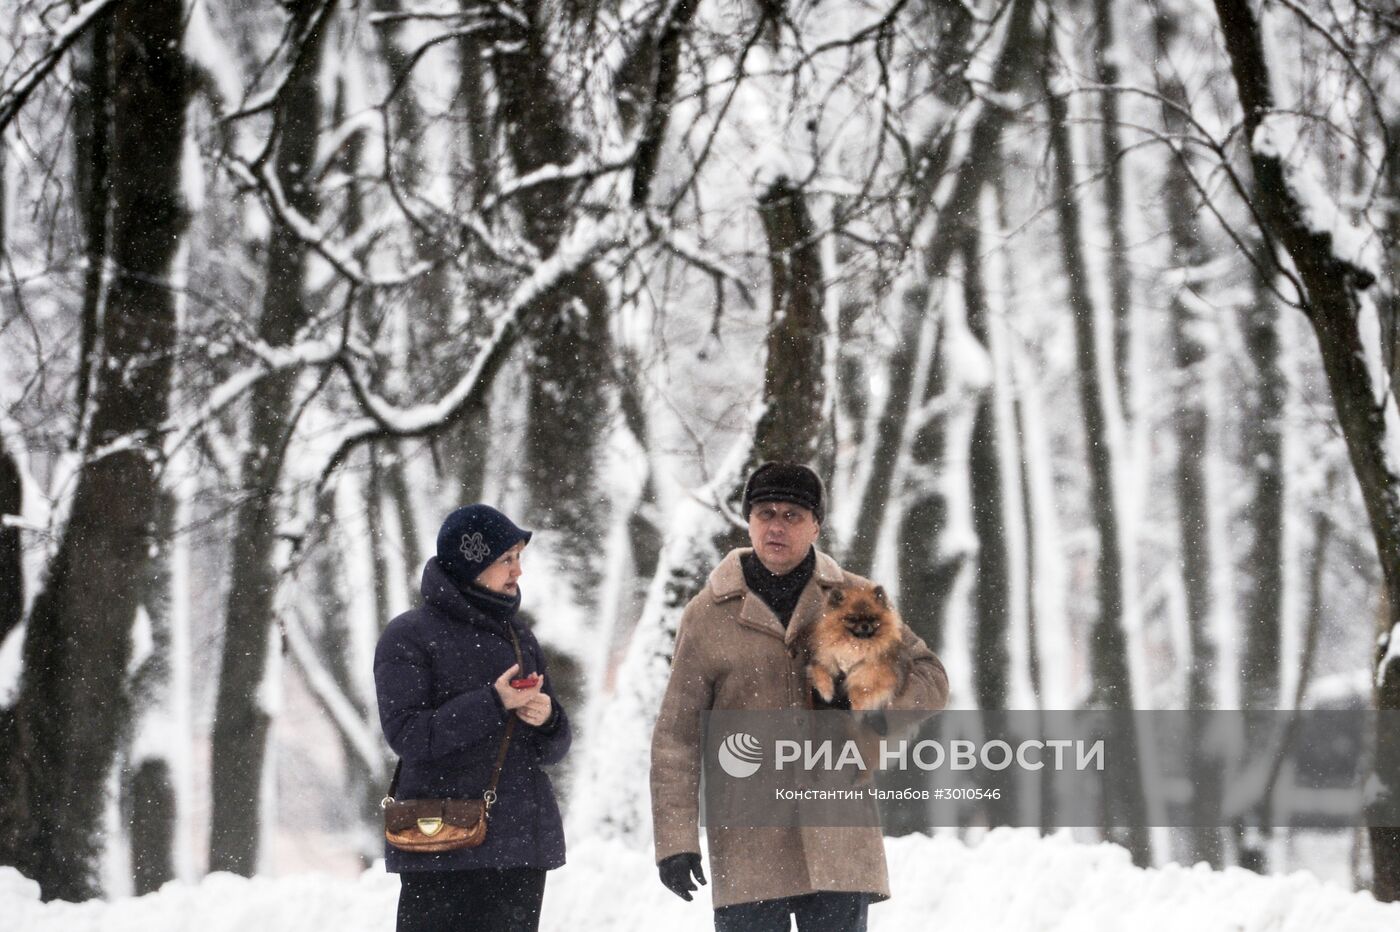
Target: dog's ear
(837, 597)
(881, 597)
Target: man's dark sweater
(780, 593)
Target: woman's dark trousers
(467, 901)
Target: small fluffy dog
(859, 637)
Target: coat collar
(441, 593)
(727, 582)
(727, 579)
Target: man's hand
(511, 697)
(676, 872)
(537, 711)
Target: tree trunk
(971, 174)
(396, 479)
(1264, 559)
(92, 153)
(1254, 845)
(148, 793)
(793, 375)
(993, 603)
(991, 632)
(11, 554)
(1045, 803)
(699, 536)
(480, 127)
(430, 322)
(1110, 666)
(239, 741)
(1120, 281)
(1029, 461)
(852, 366)
(991, 647)
(926, 572)
(644, 538)
(1191, 422)
(150, 797)
(60, 739)
(569, 398)
(374, 524)
(336, 643)
(1190, 356)
(1331, 288)
(470, 454)
(889, 431)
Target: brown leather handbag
(432, 825)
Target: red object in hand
(526, 682)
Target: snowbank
(1012, 880)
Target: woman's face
(501, 575)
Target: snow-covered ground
(1011, 881)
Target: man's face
(781, 534)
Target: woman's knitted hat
(472, 538)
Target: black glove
(676, 871)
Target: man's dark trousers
(815, 912)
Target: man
(732, 653)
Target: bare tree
(60, 738)
(1330, 288)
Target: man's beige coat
(731, 653)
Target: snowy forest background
(1087, 310)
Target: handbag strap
(490, 795)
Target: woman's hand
(537, 710)
(514, 699)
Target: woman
(443, 674)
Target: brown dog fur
(860, 635)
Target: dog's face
(864, 612)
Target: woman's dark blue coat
(434, 671)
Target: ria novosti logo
(740, 755)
